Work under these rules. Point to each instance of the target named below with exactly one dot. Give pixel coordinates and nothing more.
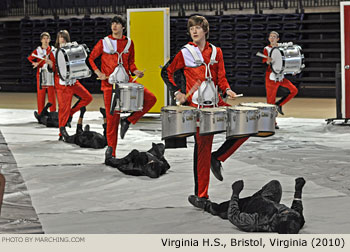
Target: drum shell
(267, 118)
(131, 97)
(178, 122)
(71, 63)
(46, 78)
(242, 123)
(292, 60)
(212, 121)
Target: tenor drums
(178, 121)
(287, 60)
(70, 61)
(46, 78)
(242, 121)
(131, 97)
(268, 113)
(212, 120)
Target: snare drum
(46, 78)
(70, 61)
(242, 122)
(267, 119)
(212, 120)
(178, 121)
(287, 60)
(131, 97)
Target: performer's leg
(64, 97)
(271, 89)
(85, 96)
(40, 95)
(201, 164)
(51, 95)
(292, 89)
(112, 122)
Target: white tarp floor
(72, 191)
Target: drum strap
(113, 50)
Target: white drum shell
(46, 78)
(71, 62)
(267, 119)
(131, 97)
(242, 121)
(178, 121)
(212, 120)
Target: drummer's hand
(181, 97)
(231, 94)
(269, 59)
(139, 73)
(35, 64)
(49, 62)
(100, 75)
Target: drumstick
(100, 79)
(39, 62)
(137, 76)
(37, 56)
(261, 55)
(198, 83)
(239, 95)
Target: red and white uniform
(272, 85)
(41, 92)
(108, 63)
(65, 92)
(203, 144)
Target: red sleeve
(96, 52)
(265, 53)
(31, 58)
(53, 59)
(131, 59)
(222, 81)
(170, 68)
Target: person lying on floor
(86, 138)
(49, 119)
(261, 212)
(150, 163)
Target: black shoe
(64, 134)
(279, 109)
(37, 116)
(215, 167)
(196, 201)
(277, 127)
(103, 112)
(68, 124)
(124, 126)
(60, 138)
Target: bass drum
(70, 62)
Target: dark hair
(64, 34)
(289, 223)
(44, 34)
(201, 21)
(119, 20)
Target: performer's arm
(170, 68)
(297, 204)
(52, 65)
(131, 60)
(268, 59)
(33, 59)
(222, 81)
(243, 221)
(95, 53)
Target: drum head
(61, 63)
(257, 105)
(277, 62)
(177, 108)
(211, 110)
(130, 85)
(243, 108)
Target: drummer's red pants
(272, 87)
(41, 94)
(64, 96)
(202, 157)
(113, 120)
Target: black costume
(49, 119)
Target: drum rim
(188, 108)
(67, 65)
(283, 62)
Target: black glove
(299, 184)
(237, 187)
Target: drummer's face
(62, 40)
(45, 40)
(117, 28)
(273, 38)
(197, 33)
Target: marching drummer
(117, 62)
(40, 59)
(202, 62)
(65, 91)
(273, 81)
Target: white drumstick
(138, 76)
(239, 95)
(37, 56)
(261, 55)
